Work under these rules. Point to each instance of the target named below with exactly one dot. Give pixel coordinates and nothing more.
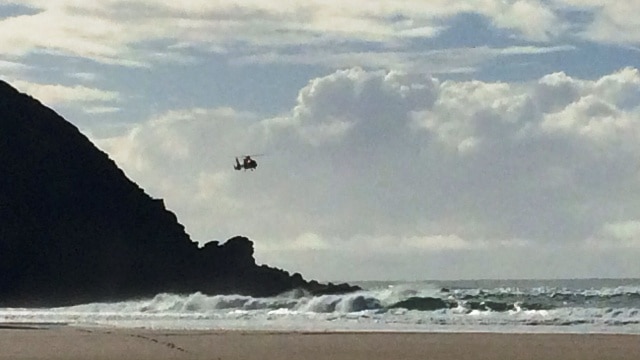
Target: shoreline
(70, 342)
(531, 330)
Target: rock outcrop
(75, 229)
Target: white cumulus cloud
(381, 160)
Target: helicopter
(247, 163)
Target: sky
(400, 140)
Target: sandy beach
(31, 342)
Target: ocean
(502, 306)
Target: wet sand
(33, 342)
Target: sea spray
(516, 306)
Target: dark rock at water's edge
(75, 229)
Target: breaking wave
(415, 307)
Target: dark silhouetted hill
(75, 229)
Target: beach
(62, 342)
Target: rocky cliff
(74, 228)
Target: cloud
(12, 67)
(68, 32)
(454, 242)
(370, 163)
(616, 235)
(101, 109)
(145, 32)
(612, 22)
(602, 110)
(625, 230)
(52, 94)
(84, 76)
(443, 61)
(532, 18)
(302, 243)
(88, 100)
